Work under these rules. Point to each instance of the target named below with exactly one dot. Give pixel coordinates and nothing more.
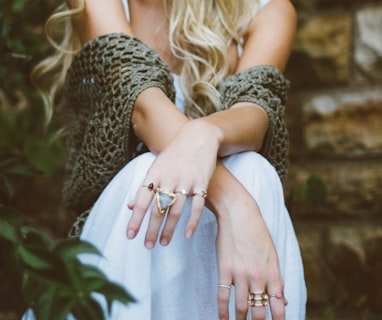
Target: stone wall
(334, 185)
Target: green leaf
(35, 238)
(13, 165)
(10, 222)
(113, 291)
(70, 249)
(35, 257)
(85, 278)
(88, 309)
(7, 187)
(89, 271)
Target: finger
(224, 291)
(139, 205)
(258, 300)
(197, 207)
(155, 222)
(172, 219)
(131, 204)
(277, 303)
(241, 299)
(225, 279)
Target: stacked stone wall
(334, 184)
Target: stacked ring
(258, 299)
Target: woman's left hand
(183, 168)
(247, 259)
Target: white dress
(179, 281)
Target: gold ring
(258, 299)
(202, 194)
(164, 199)
(277, 295)
(183, 192)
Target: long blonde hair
(200, 34)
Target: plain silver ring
(225, 286)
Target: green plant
(11, 166)
(47, 278)
(23, 45)
(51, 279)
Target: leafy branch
(52, 280)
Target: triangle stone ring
(164, 199)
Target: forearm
(156, 119)
(242, 128)
(159, 128)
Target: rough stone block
(368, 45)
(344, 124)
(335, 188)
(310, 241)
(321, 52)
(355, 261)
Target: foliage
(22, 135)
(22, 44)
(11, 166)
(48, 278)
(51, 279)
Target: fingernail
(188, 234)
(130, 234)
(149, 245)
(164, 242)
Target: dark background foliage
(30, 154)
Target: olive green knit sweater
(100, 90)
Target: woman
(171, 104)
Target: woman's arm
(243, 126)
(193, 144)
(269, 42)
(240, 128)
(100, 17)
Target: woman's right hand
(247, 258)
(185, 166)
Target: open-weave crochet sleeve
(101, 87)
(265, 86)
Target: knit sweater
(100, 90)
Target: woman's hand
(185, 166)
(247, 259)
(246, 255)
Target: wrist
(223, 192)
(208, 131)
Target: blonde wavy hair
(201, 33)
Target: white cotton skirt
(179, 281)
